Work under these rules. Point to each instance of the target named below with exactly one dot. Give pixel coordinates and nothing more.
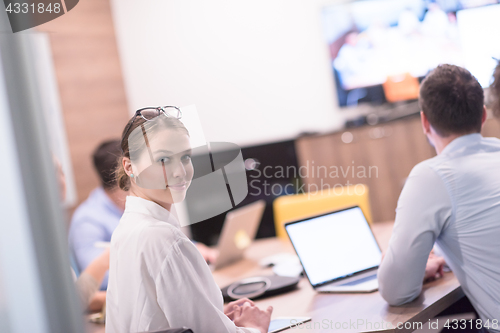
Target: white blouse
(158, 279)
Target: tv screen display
(380, 50)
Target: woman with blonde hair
(158, 279)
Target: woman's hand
(251, 316)
(229, 307)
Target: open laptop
(238, 232)
(338, 251)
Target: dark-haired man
(98, 216)
(452, 199)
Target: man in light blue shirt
(452, 199)
(98, 216)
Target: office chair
(293, 207)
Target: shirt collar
(462, 141)
(103, 197)
(143, 206)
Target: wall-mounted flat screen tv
(381, 49)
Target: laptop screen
(334, 245)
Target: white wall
(258, 71)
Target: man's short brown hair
(495, 91)
(452, 100)
(105, 159)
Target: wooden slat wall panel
(90, 83)
(394, 148)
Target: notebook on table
(238, 232)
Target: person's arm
(99, 266)
(83, 236)
(210, 255)
(97, 302)
(189, 296)
(424, 208)
(88, 283)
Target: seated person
(158, 278)
(452, 199)
(98, 216)
(87, 284)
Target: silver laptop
(338, 251)
(238, 232)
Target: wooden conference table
(340, 312)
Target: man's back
(453, 199)
(471, 240)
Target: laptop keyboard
(365, 279)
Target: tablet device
(282, 323)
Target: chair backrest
(299, 206)
(401, 88)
